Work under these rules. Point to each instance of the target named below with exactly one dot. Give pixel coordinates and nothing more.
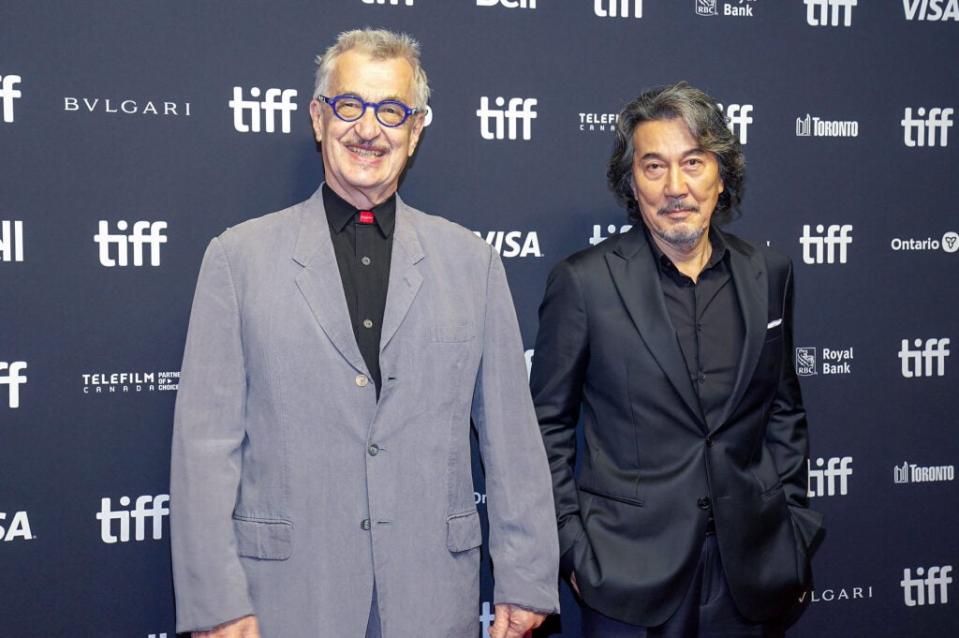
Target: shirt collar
(716, 241)
(340, 212)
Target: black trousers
(707, 611)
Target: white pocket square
(773, 324)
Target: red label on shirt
(367, 217)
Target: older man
(321, 481)
(689, 516)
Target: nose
(675, 183)
(367, 127)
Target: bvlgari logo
(127, 106)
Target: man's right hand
(245, 627)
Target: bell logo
(738, 119)
(822, 482)
(930, 129)
(817, 249)
(926, 360)
(262, 115)
(829, 13)
(512, 243)
(932, 10)
(931, 590)
(408, 3)
(18, 527)
(519, 109)
(11, 240)
(617, 8)
(123, 242)
(13, 379)
(152, 507)
(8, 94)
(509, 4)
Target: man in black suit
(689, 516)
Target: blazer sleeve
(556, 380)
(208, 432)
(787, 435)
(522, 531)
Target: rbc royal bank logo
(829, 13)
(17, 527)
(10, 376)
(823, 480)
(806, 361)
(8, 94)
(931, 10)
(926, 360)
(826, 249)
(738, 119)
(152, 508)
(929, 128)
(501, 124)
(929, 587)
(618, 8)
(255, 115)
(734, 8)
(512, 243)
(11, 240)
(143, 233)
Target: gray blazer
(292, 488)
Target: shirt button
(703, 503)
(701, 378)
(373, 449)
(709, 441)
(367, 323)
(362, 380)
(366, 261)
(365, 524)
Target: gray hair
(379, 44)
(707, 125)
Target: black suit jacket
(632, 524)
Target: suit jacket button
(373, 449)
(703, 503)
(365, 524)
(362, 380)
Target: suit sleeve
(208, 432)
(522, 536)
(557, 378)
(787, 434)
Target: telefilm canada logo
(931, 10)
(130, 382)
(597, 122)
(949, 243)
(512, 243)
(913, 473)
(835, 361)
(126, 106)
(733, 8)
(8, 94)
(830, 13)
(815, 126)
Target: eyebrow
(692, 151)
(383, 99)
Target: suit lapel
(750, 278)
(320, 281)
(636, 277)
(405, 278)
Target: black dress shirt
(363, 256)
(708, 323)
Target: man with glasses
(321, 480)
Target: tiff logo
(137, 239)
(13, 379)
(922, 132)
(825, 479)
(262, 114)
(738, 119)
(922, 591)
(147, 507)
(829, 13)
(817, 249)
(11, 240)
(163, 635)
(598, 237)
(920, 362)
(408, 3)
(505, 122)
(8, 94)
(617, 8)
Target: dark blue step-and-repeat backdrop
(131, 133)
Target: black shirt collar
(665, 264)
(340, 212)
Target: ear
(316, 114)
(419, 121)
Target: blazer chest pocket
(463, 531)
(452, 333)
(266, 539)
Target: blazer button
(703, 503)
(365, 524)
(362, 380)
(373, 449)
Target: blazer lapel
(750, 278)
(405, 278)
(636, 277)
(320, 281)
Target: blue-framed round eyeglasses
(350, 108)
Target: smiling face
(363, 160)
(676, 183)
